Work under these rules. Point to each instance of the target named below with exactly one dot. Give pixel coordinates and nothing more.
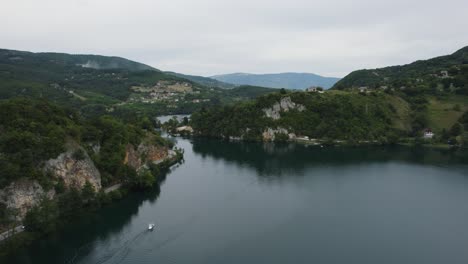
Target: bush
(115, 195)
(281, 137)
(60, 186)
(79, 154)
(456, 129)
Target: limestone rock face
(23, 194)
(285, 104)
(269, 133)
(144, 154)
(75, 172)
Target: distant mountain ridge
(97, 62)
(288, 80)
(206, 81)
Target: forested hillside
(34, 131)
(330, 115)
(351, 117)
(55, 164)
(442, 74)
(97, 85)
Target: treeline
(346, 116)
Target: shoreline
(335, 142)
(15, 238)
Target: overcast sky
(207, 37)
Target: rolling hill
(289, 80)
(101, 84)
(445, 73)
(69, 60)
(206, 81)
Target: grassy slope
(441, 112)
(403, 119)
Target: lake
(237, 202)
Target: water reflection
(345, 205)
(81, 238)
(274, 159)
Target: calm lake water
(233, 202)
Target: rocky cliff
(274, 112)
(22, 195)
(284, 105)
(145, 153)
(75, 168)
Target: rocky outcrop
(184, 129)
(269, 133)
(22, 195)
(145, 153)
(75, 168)
(285, 104)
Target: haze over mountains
(288, 80)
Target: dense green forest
(442, 74)
(34, 131)
(334, 116)
(378, 117)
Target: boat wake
(119, 254)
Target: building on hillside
(428, 134)
(312, 89)
(363, 89)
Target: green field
(442, 113)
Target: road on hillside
(11, 232)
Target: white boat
(151, 227)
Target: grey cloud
(207, 37)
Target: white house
(428, 134)
(312, 89)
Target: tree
(456, 129)
(281, 137)
(42, 218)
(185, 121)
(60, 186)
(146, 180)
(146, 123)
(464, 139)
(88, 193)
(79, 154)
